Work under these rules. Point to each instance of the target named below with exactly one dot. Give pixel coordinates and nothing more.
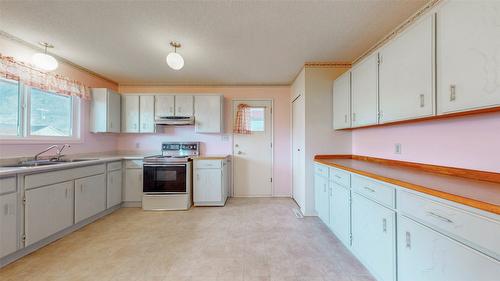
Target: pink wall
(213, 143)
(471, 142)
(89, 142)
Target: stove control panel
(180, 148)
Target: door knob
(239, 152)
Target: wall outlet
(137, 145)
(397, 148)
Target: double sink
(36, 163)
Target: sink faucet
(59, 151)
(45, 150)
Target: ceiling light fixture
(43, 60)
(174, 60)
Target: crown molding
(327, 64)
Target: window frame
(24, 120)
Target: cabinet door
(342, 101)
(90, 196)
(130, 114)
(8, 224)
(468, 55)
(114, 110)
(114, 188)
(340, 212)
(207, 114)
(164, 106)
(424, 254)
(133, 185)
(373, 237)
(208, 185)
(364, 93)
(147, 111)
(184, 105)
(406, 74)
(48, 210)
(322, 199)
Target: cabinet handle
(324, 187)
(331, 191)
(111, 125)
(422, 100)
(384, 225)
(135, 125)
(439, 217)
(198, 177)
(408, 240)
(337, 176)
(453, 95)
(369, 189)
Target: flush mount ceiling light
(174, 60)
(43, 60)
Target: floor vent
(298, 214)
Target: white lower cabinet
(48, 210)
(424, 254)
(321, 196)
(132, 191)
(8, 223)
(210, 182)
(114, 188)
(340, 212)
(90, 196)
(373, 237)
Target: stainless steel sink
(36, 163)
(75, 160)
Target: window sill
(39, 140)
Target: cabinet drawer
(321, 170)
(374, 190)
(114, 166)
(210, 164)
(133, 164)
(36, 180)
(340, 177)
(7, 185)
(479, 232)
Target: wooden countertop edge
(444, 195)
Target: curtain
(30, 76)
(242, 122)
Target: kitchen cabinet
(48, 210)
(210, 182)
(146, 114)
(164, 105)
(8, 216)
(342, 101)
(114, 184)
(105, 111)
(364, 92)
(132, 192)
(130, 114)
(468, 48)
(340, 212)
(184, 105)
(424, 254)
(322, 194)
(90, 196)
(406, 69)
(374, 237)
(209, 113)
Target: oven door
(165, 178)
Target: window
(257, 119)
(30, 113)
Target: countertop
(479, 194)
(211, 157)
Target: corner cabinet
(105, 111)
(364, 91)
(468, 55)
(209, 113)
(342, 101)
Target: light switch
(397, 148)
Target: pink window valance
(242, 121)
(33, 77)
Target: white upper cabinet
(130, 114)
(364, 83)
(342, 101)
(468, 55)
(208, 114)
(184, 105)
(406, 74)
(105, 111)
(147, 117)
(165, 105)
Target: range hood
(174, 120)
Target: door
(424, 254)
(147, 118)
(114, 109)
(164, 105)
(184, 105)
(364, 84)
(406, 74)
(90, 196)
(130, 114)
(8, 224)
(133, 185)
(252, 153)
(208, 185)
(342, 101)
(114, 188)
(208, 114)
(49, 209)
(340, 213)
(321, 200)
(298, 151)
(468, 55)
(373, 237)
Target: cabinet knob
(384, 225)
(422, 100)
(453, 95)
(408, 240)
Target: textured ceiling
(224, 42)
